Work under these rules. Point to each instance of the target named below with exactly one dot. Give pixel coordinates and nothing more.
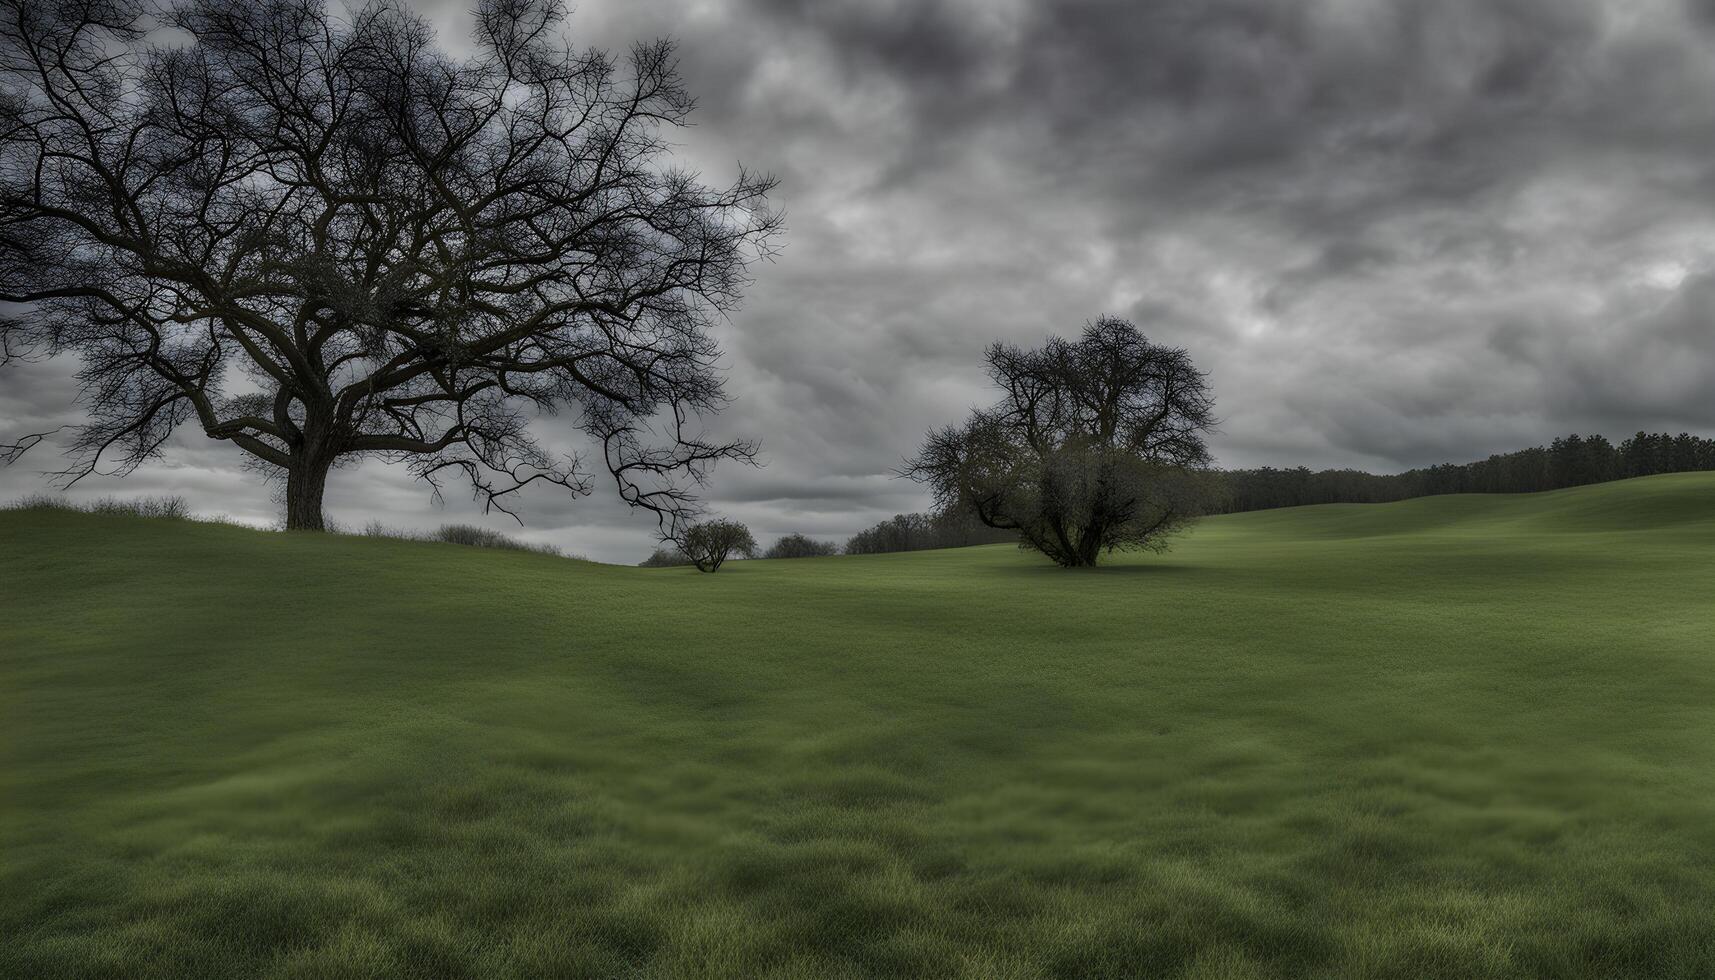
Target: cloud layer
(1394, 233)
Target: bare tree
(1096, 445)
(710, 543)
(320, 237)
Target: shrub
(175, 508)
(464, 534)
(170, 507)
(665, 558)
(482, 537)
(41, 501)
(800, 546)
(710, 543)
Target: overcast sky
(1394, 233)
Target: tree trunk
(306, 480)
(1076, 546)
(1090, 546)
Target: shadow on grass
(1047, 569)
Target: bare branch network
(318, 238)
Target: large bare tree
(1095, 445)
(318, 236)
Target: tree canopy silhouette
(1096, 444)
(710, 543)
(320, 237)
(800, 546)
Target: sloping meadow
(1456, 736)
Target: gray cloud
(1395, 233)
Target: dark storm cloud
(1395, 233)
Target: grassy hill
(1457, 736)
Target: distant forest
(919, 532)
(1566, 462)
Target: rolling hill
(1456, 736)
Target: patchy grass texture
(1466, 736)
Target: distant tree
(916, 532)
(1685, 453)
(1097, 444)
(1569, 461)
(1580, 460)
(665, 557)
(800, 546)
(318, 236)
(1641, 454)
(710, 543)
(901, 532)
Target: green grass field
(1453, 737)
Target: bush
(711, 543)
(171, 508)
(467, 535)
(800, 546)
(175, 508)
(482, 537)
(41, 501)
(665, 558)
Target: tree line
(921, 532)
(1569, 461)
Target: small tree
(710, 543)
(665, 558)
(1096, 445)
(800, 546)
